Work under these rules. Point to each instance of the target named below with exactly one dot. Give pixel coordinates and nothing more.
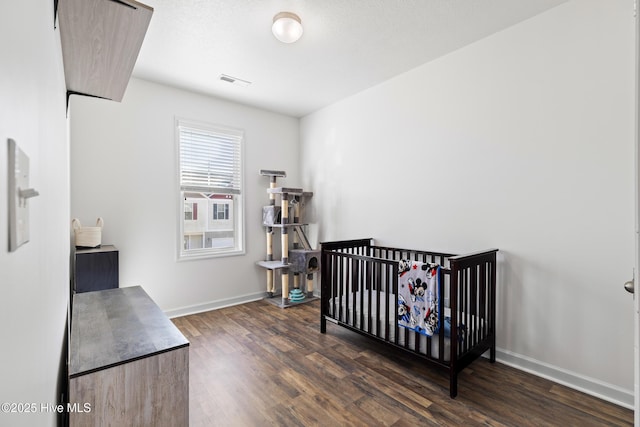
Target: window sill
(207, 254)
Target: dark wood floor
(258, 365)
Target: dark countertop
(102, 248)
(115, 326)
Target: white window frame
(238, 194)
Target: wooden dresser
(128, 363)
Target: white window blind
(210, 159)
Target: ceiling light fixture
(287, 27)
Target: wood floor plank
(189, 330)
(343, 392)
(328, 365)
(379, 409)
(409, 397)
(259, 365)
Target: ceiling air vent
(234, 80)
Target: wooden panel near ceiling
(101, 40)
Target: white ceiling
(347, 45)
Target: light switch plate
(18, 206)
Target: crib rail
(412, 254)
(348, 246)
(367, 248)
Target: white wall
(35, 278)
(123, 160)
(522, 141)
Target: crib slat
(352, 292)
(468, 309)
(341, 290)
(492, 309)
(329, 270)
(465, 313)
(347, 289)
(336, 293)
(473, 306)
(360, 290)
(392, 273)
(483, 301)
(453, 357)
(460, 308)
(369, 282)
(357, 291)
(377, 284)
(441, 336)
(387, 286)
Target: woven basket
(87, 237)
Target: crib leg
(453, 384)
(323, 324)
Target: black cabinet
(96, 269)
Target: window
(190, 211)
(220, 211)
(210, 175)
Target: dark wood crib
(359, 285)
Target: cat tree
(297, 256)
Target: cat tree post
(296, 219)
(270, 273)
(268, 221)
(285, 247)
(310, 285)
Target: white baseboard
(213, 305)
(592, 386)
